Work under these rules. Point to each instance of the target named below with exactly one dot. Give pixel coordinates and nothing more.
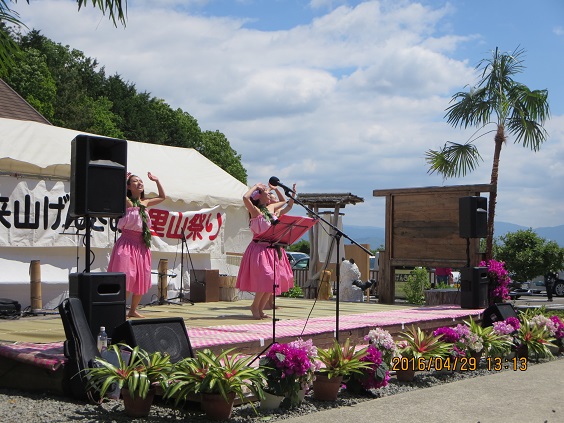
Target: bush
(417, 282)
(294, 292)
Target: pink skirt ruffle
(131, 256)
(260, 266)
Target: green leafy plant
(417, 282)
(342, 361)
(535, 338)
(214, 374)
(417, 344)
(137, 373)
(294, 292)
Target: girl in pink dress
(278, 207)
(261, 263)
(132, 251)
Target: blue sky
(337, 96)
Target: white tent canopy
(35, 159)
(32, 148)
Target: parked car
(294, 256)
(536, 287)
(302, 263)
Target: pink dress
(130, 255)
(261, 264)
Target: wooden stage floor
(31, 347)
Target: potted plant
(337, 363)
(136, 373)
(288, 369)
(218, 379)
(383, 340)
(376, 376)
(533, 338)
(415, 348)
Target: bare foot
(256, 314)
(135, 314)
(264, 316)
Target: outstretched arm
(253, 210)
(161, 197)
(290, 203)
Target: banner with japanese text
(35, 213)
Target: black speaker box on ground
(98, 172)
(103, 299)
(473, 217)
(497, 313)
(474, 284)
(167, 335)
(204, 285)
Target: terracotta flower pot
(406, 375)
(215, 406)
(326, 389)
(137, 406)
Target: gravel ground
(38, 408)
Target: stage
(32, 347)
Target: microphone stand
(338, 234)
(181, 295)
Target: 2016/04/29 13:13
(458, 363)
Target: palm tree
(500, 100)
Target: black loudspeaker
(167, 335)
(497, 313)
(473, 217)
(474, 283)
(98, 176)
(103, 299)
(204, 285)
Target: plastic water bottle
(102, 339)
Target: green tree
(216, 148)
(32, 80)
(499, 100)
(116, 9)
(526, 255)
(302, 246)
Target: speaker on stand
(98, 189)
(98, 171)
(473, 223)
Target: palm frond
(453, 160)
(117, 9)
(469, 108)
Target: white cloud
(348, 102)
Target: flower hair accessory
(255, 195)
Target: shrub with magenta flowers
(377, 375)
(287, 367)
(499, 281)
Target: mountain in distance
(375, 236)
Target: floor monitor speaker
(497, 313)
(167, 335)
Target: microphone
(274, 181)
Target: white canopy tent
(35, 168)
